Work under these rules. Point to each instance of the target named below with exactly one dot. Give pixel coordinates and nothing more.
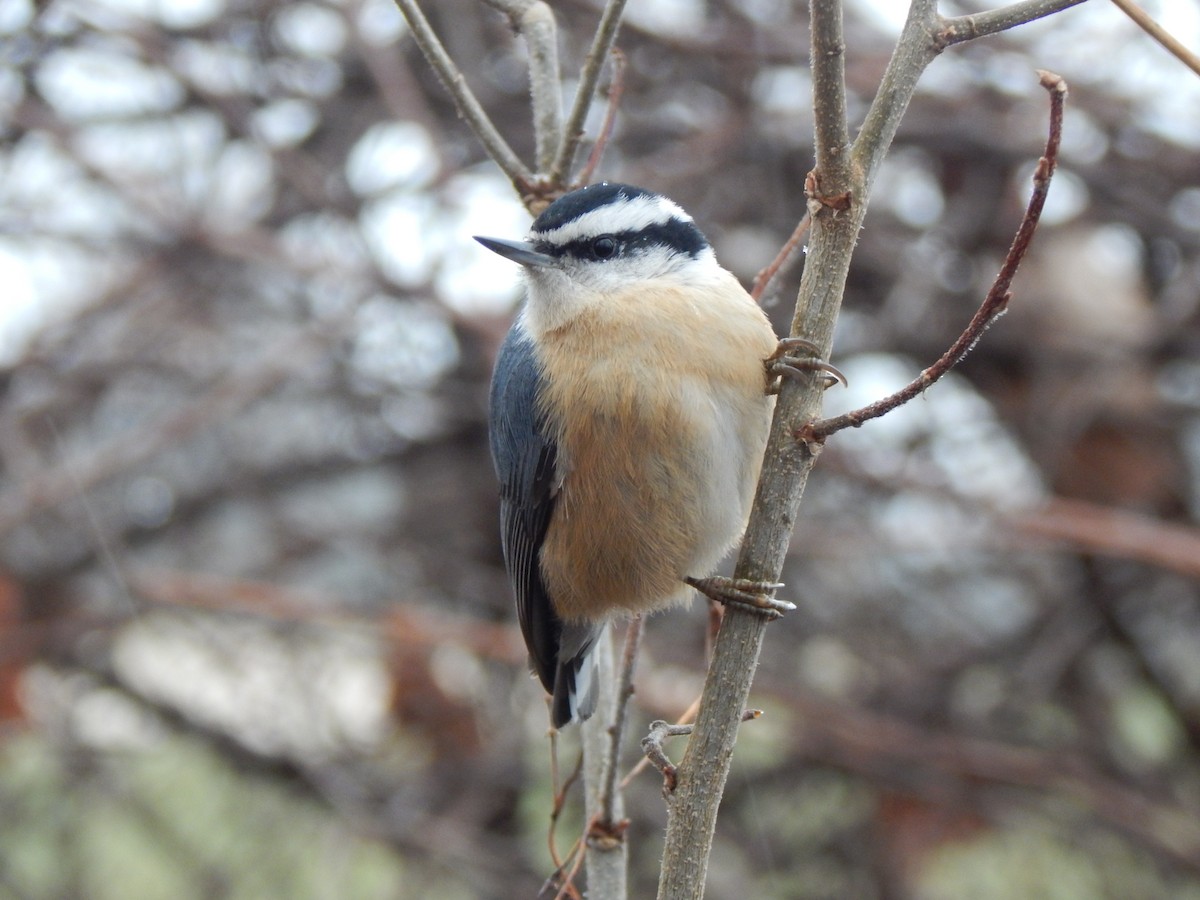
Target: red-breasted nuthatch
(629, 413)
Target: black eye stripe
(674, 234)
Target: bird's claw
(757, 595)
(796, 358)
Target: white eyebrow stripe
(625, 214)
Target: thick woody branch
(837, 201)
(829, 92)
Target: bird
(630, 406)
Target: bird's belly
(650, 494)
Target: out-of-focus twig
(69, 477)
(468, 106)
(786, 253)
(616, 90)
(1160, 34)
(589, 76)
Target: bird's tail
(574, 697)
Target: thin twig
(994, 304)
(606, 33)
(560, 799)
(1160, 34)
(616, 90)
(957, 29)
(608, 786)
(656, 755)
(568, 889)
(652, 746)
(468, 106)
(785, 255)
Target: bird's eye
(604, 247)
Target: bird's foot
(795, 358)
(757, 595)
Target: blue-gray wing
(525, 455)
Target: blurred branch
(616, 91)
(1160, 34)
(785, 255)
(997, 299)
(69, 477)
(1117, 533)
(889, 750)
(589, 77)
(468, 106)
(606, 853)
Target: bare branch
(589, 76)
(616, 91)
(605, 851)
(967, 28)
(534, 21)
(828, 59)
(1160, 34)
(996, 301)
(609, 787)
(915, 50)
(468, 106)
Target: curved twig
(996, 301)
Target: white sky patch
(476, 280)
(1068, 196)
(784, 90)
(216, 68)
(285, 123)
(43, 281)
(907, 187)
(886, 15)
(402, 344)
(242, 677)
(310, 29)
(94, 83)
(242, 188)
(956, 429)
(15, 15)
(181, 14)
(379, 22)
(678, 18)
(392, 155)
(396, 229)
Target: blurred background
(256, 639)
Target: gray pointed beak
(521, 252)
